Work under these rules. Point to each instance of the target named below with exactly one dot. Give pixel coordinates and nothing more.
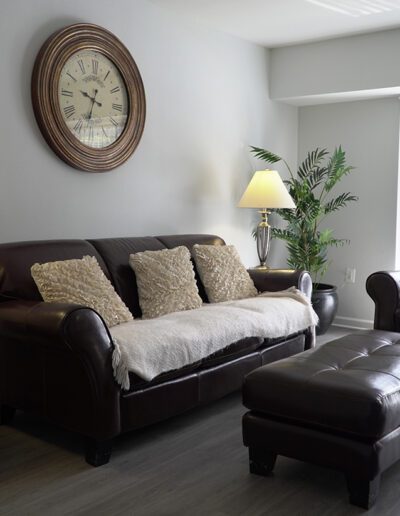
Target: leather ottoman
(337, 405)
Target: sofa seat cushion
(154, 346)
(235, 350)
(349, 385)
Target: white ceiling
(274, 23)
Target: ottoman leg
(262, 461)
(363, 493)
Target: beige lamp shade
(266, 190)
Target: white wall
(351, 64)
(207, 101)
(369, 133)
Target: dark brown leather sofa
(384, 289)
(55, 359)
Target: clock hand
(94, 101)
(85, 94)
(90, 112)
(91, 98)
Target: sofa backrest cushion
(116, 251)
(112, 254)
(171, 241)
(189, 241)
(222, 273)
(17, 258)
(166, 281)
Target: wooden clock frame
(54, 53)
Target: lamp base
(263, 238)
(261, 268)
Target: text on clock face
(93, 99)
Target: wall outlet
(350, 275)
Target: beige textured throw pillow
(166, 281)
(80, 281)
(223, 275)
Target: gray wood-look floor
(193, 464)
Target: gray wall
(207, 101)
(340, 71)
(354, 64)
(369, 133)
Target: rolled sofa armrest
(281, 279)
(56, 359)
(384, 289)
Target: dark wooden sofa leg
(262, 461)
(98, 452)
(6, 414)
(363, 493)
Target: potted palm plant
(307, 243)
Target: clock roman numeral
(78, 126)
(113, 121)
(117, 107)
(81, 66)
(95, 66)
(73, 78)
(90, 137)
(106, 75)
(66, 93)
(69, 111)
(115, 89)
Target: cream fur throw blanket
(149, 347)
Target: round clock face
(88, 97)
(93, 99)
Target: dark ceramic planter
(324, 300)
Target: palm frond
(284, 234)
(312, 161)
(339, 202)
(265, 155)
(337, 168)
(337, 160)
(316, 177)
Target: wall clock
(88, 97)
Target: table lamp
(265, 191)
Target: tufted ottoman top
(349, 385)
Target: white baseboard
(353, 323)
